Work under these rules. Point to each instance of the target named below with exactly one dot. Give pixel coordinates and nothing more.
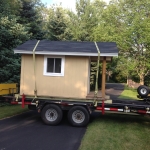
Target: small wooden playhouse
(61, 68)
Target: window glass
(50, 64)
(57, 65)
(54, 65)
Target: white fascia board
(55, 53)
(108, 54)
(64, 53)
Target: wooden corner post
(103, 77)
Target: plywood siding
(74, 83)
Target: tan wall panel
(74, 83)
(27, 75)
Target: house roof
(68, 48)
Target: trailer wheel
(51, 114)
(78, 116)
(143, 90)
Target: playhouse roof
(68, 48)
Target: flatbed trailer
(79, 110)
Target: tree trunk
(127, 80)
(141, 79)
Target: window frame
(54, 74)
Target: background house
(61, 68)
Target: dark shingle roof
(107, 47)
(68, 47)
(64, 46)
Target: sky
(65, 3)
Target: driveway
(27, 132)
(114, 90)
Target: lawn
(10, 110)
(129, 93)
(117, 132)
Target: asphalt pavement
(114, 90)
(28, 132)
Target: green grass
(129, 93)
(11, 110)
(117, 132)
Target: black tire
(51, 114)
(143, 90)
(78, 116)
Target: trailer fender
(41, 105)
(87, 107)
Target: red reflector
(114, 109)
(14, 103)
(98, 108)
(65, 104)
(142, 111)
(23, 98)
(103, 108)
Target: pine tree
(11, 34)
(56, 24)
(30, 17)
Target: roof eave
(65, 53)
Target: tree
(109, 24)
(9, 7)
(31, 18)
(11, 34)
(136, 41)
(82, 23)
(125, 67)
(127, 23)
(56, 24)
(108, 30)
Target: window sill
(54, 74)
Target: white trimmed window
(54, 65)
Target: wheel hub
(51, 114)
(143, 91)
(78, 116)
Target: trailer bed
(122, 103)
(79, 110)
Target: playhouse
(61, 68)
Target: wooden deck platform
(99, 95)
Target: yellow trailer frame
(8, 88)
